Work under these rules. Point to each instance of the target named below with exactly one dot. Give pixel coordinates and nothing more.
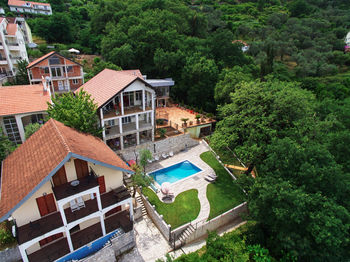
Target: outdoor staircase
(140, 202)
(127, 181)
(186, 234)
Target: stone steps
(140, 202)
(186, 233)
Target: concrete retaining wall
(174, 143)
(157, 219)
(217, 222)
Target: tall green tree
(22, 75)
(6, 146)
(78, 111)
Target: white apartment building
(18, 6)
(12, 47)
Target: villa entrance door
(81, 167)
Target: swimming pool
(175, 172)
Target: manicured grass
(224, 194)
(185, 208)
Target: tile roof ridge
(60, 135)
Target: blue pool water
(175, 172)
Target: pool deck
(195, 181)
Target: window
(46, 70)
(38, 118)
(56, 71)
(110, 122)
(60, 85)
(69, 68)
(11, 129)
(138, 95)
(54, 60)
(126, 120)
(75, 81)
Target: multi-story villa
(18, 6)
(20, 106)
(126, 107)
(23, 25)
(12, 47)
(63, 74)
(63, 190)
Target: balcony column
(131, 210)
(122, 102)
(23, 254)
(120, 125)
(30, 79)
(143, 100)
(121, 143)
(102, 126)
(103, 227)
(137, 138)
(153, 98)
(69, 240)
(137, 121)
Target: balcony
(87, 235)
(67, 189)
(39, 227)
(3, 61)
(127, 111)
(114, 131)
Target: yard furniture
(171, 153)
(73, 205)
(210, 179)
(80, 202)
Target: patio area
(195, 181)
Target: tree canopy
(76, 110)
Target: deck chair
(73, 205)
(80, 202)
(171, 153)
(214, 176)
(156, 158)
(210, 179)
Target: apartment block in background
(12, 47)
(23, 25)
(18, 6)
(63, 190)
(62, 73)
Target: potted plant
(161, 132)
(191, 123)
(198, 116)
(210, 116)
(184, 120)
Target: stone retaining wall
(174, 143)
(10, 254)
(115, 247)
(157, 219)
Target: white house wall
(113, 178)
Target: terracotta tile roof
(11, 29)
(23, 99)
(21, 3)
(36, 61)
(38, 156)
(108, 83)
(40, 59)
(11, 20)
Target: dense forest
(283, 106)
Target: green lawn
(185, 208)
(224, 194)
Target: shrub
(5, 234)
(161, 132)
(160, 121)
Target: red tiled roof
(11, 29)
(37, 157)
(40, 59)
(23, 99)
(108, 83)
(21, 3)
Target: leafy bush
(5, 234)
(161, 132)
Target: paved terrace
(195, 181)
(175, 114)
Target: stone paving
(150, 244)
(196, 181)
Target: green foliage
(31, 129)
(184, 209)
(161, 132)
(78, 111)
(22, 75)
(6, 146)
(224, 194)
(259, 112)
(99, 65)
(5, 235)
(145, 155)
